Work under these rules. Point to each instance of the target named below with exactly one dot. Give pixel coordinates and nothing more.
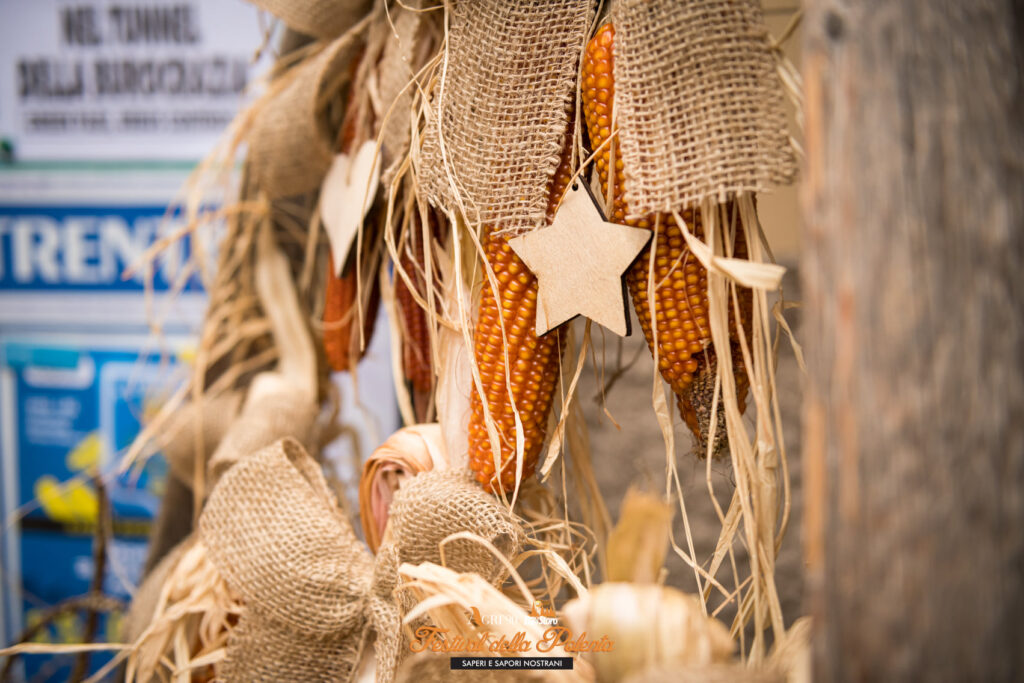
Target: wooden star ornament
(579, 261)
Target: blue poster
(69, 412)
(89, 248)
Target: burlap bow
(314, 596)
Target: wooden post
(913, 281)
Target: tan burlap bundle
(318, 18)
(272, 411)
(698, 101)
(314, 596)
(290, 144)
(196, 428)
(404, 53)
(499, 110)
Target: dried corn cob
(680, 297)
(696, 402)
(416, 337)
(416, 353)
(535, 360)
(341, 335)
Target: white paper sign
(123, 79)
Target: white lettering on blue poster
(89, 248)
(80, 250)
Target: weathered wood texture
(913, 279)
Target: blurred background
(105, 108)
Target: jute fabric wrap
(265, 419)
(319, 18)
(699, 103)
(500, 108)
(197, 428)
(314, 596)
(403, 54)
(290, 145)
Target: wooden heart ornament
(346, 196)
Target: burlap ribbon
(290, 144)
(698, 101)
(314, 596)
(501, 110)
(195, 430)
(319, 18)
(273, 410)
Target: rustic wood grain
(913, 278)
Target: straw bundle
(181, 617)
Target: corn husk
(792, 654)
(455, 362)
(406, 453)
(449, 599)
(189, 625)
(789, 662)
(651, 626)
(639, 542)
